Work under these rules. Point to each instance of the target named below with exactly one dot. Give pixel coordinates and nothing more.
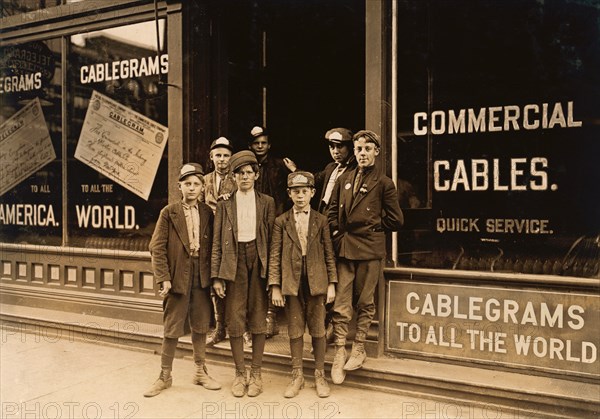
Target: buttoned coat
(358, 224)
(285, 260)
(210, 195)
(225, 235)
(170, 247)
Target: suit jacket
(224, 250)
(322, 179)
(285, 260)
(358, 225)
(211, 195)
(272, 181)
(170, 247)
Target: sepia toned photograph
(299, 209)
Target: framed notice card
(25, 145)
(122, 144)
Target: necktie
(329, 189)
(357, 182)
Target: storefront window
(498, 116)
(117, 168)
(30, 143)
(15, 7)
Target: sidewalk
(61, 376)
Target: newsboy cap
(369, 136)
(257, 131)
(221, 142)
(190, 169)
(300, 178)
(242, 158)
(339, 135)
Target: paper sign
(25, 145)
(122, 144)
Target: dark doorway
(299, 65)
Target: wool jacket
(285, 259)
(224, 251)
(170, 247)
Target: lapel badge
(348, 186)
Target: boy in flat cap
(342, 153)
(181, 251)
(218, 184)
(241, 239)
(341, 150)
(273, 173)
(364, 205)
(302, 277)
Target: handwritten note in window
(25, 145)
(122, 144)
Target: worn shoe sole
(355, 363)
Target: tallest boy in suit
(364, 205)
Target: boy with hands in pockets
(302, 277)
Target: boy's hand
(224, 197)
(219, 287)
(276, 297)
(330, 293)
(291, 166)
(164, 288)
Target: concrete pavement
(57, 375)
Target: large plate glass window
(117, 168)
(30, 143)
(498, 116)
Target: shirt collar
(188, 206)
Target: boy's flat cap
(221, 142)
(190, 169)
(300, 178)
(339, 135)
(242, 158)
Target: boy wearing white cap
(219, 185)
(241, 239)
(181, 251)
(302, 277)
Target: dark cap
(242, 158)
(257, 131)
(221, 142)
(300, 178)
(190, 169)
(339, 135)
(369, 136)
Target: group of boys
(230, 237)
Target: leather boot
(217, 335)
(255, 386)
(238, 388)
(337, 369)
(357, 357)
(295, 385)
(202, 378)
(321, 384)
(164, 382)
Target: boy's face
(260, 146)
(191, 187)
(301, 196)
(245, 178)
(339, 152)
(220, 157)
(365, 152)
